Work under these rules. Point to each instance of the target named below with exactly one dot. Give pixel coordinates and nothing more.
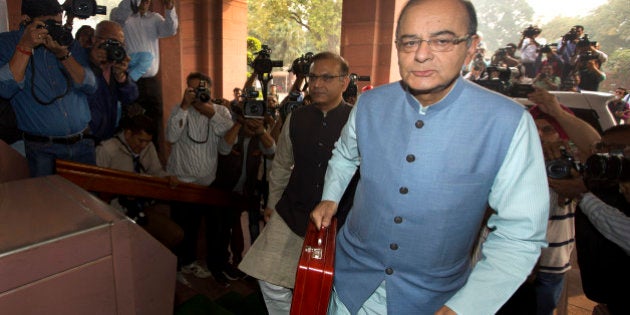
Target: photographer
(194, 130)
(477, 72)
(619, 107)
(588, 62)
(143, 30)
(529, 46)
(546, 79)
(552, 58)
(506, 57)
(603, 223)
(554, 262)
(46, 76)
(109, 62)
(566, 49)
(237, 172)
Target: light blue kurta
(427, 176)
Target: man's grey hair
(470, 10)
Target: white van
(590, 106)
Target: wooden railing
(114, 182)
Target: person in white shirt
(194, 131)
(143, 29)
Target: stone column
(367, 39)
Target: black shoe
(233, 273)
(221, 279)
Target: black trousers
(189, 217)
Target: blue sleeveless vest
(425, 182)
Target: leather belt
(68, 140)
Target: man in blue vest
(435, 150)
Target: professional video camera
(585, 42)
(571, 35)
(501, 52)
(352, 89)
(115, 50)
(561, 168)
(586, 54)
(291, 105)
(84, 9)
(531, 31)
(546, 48)
(252, 107)
(498, 79)
(202, 92)
(302, 64)
(607, 167)
(263, 63)
(58, 32)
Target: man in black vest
(296, 180)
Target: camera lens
(559, 169)
(607, 168)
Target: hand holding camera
(189, 98)
(120, 69)
(255, 125)
(33, 35)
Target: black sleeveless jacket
(313, 136)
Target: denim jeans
(41, 156)
(548, 290)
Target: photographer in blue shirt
(46, 76)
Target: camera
(202, 92)
(545, 49)
(586, 56)
(84, 9)
(59, 33)
(302, 64)
(585, 42)
(571, 35)
(352, 89)
(291, 105)
(501, 52)
(115, 50)
(561, 168)
(531, 31)
(263, 63)
(253, 108)
(521, 90)
(607, 167)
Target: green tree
(501, 22)
(293, 27)
(609, 25)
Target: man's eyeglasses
(325, 77)
(440, 43)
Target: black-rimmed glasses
(325, 77)
(438, 43)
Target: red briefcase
(314, 278)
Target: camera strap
(190, 124)
(37, 99)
